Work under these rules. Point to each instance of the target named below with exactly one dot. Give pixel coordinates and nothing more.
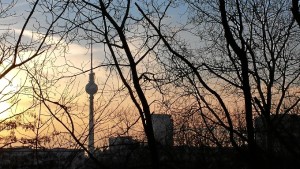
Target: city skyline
(213, 66)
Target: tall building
(282, 135)
(91, 88)
(163, 129)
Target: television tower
(91, 88)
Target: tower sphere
(91, 88)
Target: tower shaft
(91, 125)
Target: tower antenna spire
(91, 53)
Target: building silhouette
(127, 153)
(280, 134)
(163, 129)
(29, 158)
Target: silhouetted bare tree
(128, 52)
(232, 61)
(20, 46)
(248, 51)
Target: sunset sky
(219, 75)
(51, 87)
(61, 66)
